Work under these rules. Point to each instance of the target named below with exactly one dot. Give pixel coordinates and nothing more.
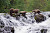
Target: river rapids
(24, 25)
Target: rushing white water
(24, 25)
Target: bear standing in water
(13, 11)
(23, 14)
(38, 17)
(36, 11)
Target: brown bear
(13, 11)
(36, 11)
(23, 14)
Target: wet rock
(49, 15)
(10, 29)
(43, 30)
(40, 18)
(33, 21)
(2, 24)
(7, 28)
(8, 17)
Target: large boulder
(40, 18)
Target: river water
(24, 25)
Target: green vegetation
(24, 5)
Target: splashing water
(24, 25)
